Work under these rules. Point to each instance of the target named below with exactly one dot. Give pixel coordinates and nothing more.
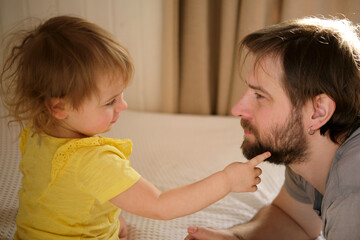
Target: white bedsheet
(169, 150)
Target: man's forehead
(265, 71)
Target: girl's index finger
(259, 158)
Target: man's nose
(243, 108)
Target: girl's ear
(57, 108)
(323, 109)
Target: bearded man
(303, 105)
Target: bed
(169, 150)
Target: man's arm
(285, 218)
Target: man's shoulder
(343, 176)
(351, 144)
(347, 158)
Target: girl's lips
(114, 121)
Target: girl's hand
(243, 177)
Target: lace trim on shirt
(64, 153)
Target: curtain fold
(170, 57)
(201, 73)
(228, 38)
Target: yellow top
(66, 186)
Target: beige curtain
(200, 74)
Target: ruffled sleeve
(101, 165)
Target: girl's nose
(124, 105)
(121, 106)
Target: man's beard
(287, 144)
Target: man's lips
(248, 129)
(247, 132)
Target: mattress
(170, 150)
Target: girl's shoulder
(120, 147)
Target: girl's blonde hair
(61, 58)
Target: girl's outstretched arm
(144, 199)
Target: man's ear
(57, 108)
(323, 109)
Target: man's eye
(258, 96)
(111, 103)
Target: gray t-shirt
(339, 208)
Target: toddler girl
(65, 79)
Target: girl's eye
(111, 103)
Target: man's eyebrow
(259, 89)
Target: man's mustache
(246, 125)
